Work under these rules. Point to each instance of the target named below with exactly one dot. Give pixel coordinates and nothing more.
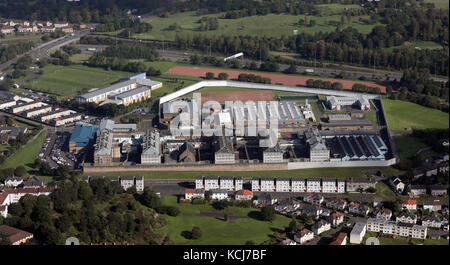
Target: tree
(292, 69)
(223, 76)
(153, 71)
(196, 232)
(209, 75)
(208, 195)
(268, 213)
(20, 171)
(150, 199)
(250, 243)
(292, 226)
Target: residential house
(406, 217)
(255, 184)
(313, 185)
(238, 183)
(336, 203)
(139, 184)
(243, 195)
(336, 218)
(303, 236)
(312, 210)
(287, 206)
(329, 186)
(321, 226)
(398, 229)
(418, 190)
(409, 205)
(265, 199)
(226, 183)
(433, 206)
(7, 30)
(382, 213)
(190, 194)
(13, 181)
(432, 221)
(283, 185)
(219, 194)
(211, 182)
(298, 185)
(357, 208)
(313, 198)
(438, 190)
(199, 182)
(397, 184)
(339, 239)
(127, 182)
(286, 242)
(267, 184)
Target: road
(43, 49)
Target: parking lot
(54, 151)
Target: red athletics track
(289, 80)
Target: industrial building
(347, 124)
(336, 103)
(224, 150)
(356, 147)
(151, 150)
(318, 151)
(81, 136)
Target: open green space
(423, 45)
(401, 115)
(219, 232)
(71, 80)
(407, 145)
(335, 9)
(271, 25)
(26, 156)
(439, 3)
(354, 172)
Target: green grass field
(216, 231)
(26, 156)
(70, 80)
(419, 44)
(271, 25)
(402, 114)
(354, 172)
(407, 146)
(439, 3)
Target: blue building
(81, 137)
(131, 77)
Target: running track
(289, 80)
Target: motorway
(43, 49)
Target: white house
(335, 218)
(298, 185)
(321, 226)
(243, 195)
(13, 181)
(329, 186)
(211, 183)
(219, 194)
(303, 236)
(406, 217)
(340, 186)
(267, 184)
(226, 183)
(409, 205)
(382, 213)
(255, 184)
(199, 182)
(313, 185)
(238, 183)
(191, 194)
(283, 185)
(432, 221)
(358, 208)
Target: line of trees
(317, 83)
(131, 52)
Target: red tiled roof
(189, 191)
(13, 234)
(2, 208)
(411, 202)
(339, 238)
(244, 192)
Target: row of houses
(270, 184)
(40, 111)
(434, 190)
(125, 181)
(396, 228)
(10, 27)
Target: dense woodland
(98, 212)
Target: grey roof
(132, 92)
(127, 178)
(108, 89)
(354, 122)
(151, 145)
(219, 191)
(211, 177)
(226, 177)
(12, 131)
(358, 228)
